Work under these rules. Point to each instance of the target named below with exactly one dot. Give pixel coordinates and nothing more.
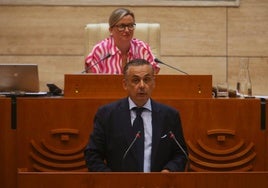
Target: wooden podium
(223, 136)
(110, 86)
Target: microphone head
(171, 134)
(138, 135)
(157, 60)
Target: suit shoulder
(164, 107)
(113, 105)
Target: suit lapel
(157, 117)
(125, 123)
(124, 120)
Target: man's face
(139, 83)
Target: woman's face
(123, 30)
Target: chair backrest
(147, 32)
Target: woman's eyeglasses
(122, 27)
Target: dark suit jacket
(112, 136)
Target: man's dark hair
(136, 62)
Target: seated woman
(111, 55)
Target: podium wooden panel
(110, 86)
(222, 135)
(228, 131)
(8, 163)
(144, 180)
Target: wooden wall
(50, 136)
(198, 40)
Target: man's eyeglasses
(122, 27)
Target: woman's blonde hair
(118, 14)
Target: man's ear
(153, 82)
(124, 83)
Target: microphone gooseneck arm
(179, 145)
(160, 62)
(130, 146)
(105, 57)
(172, 136)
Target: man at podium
(136, 133)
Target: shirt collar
(147, 105)
(114, 50)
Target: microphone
(130, 146)
(160, 62)
(105, 57)
(172, 136)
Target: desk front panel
(8, 153)
(221, 134)
(167, 86)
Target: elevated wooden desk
(110, 86)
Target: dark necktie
(138, 126)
